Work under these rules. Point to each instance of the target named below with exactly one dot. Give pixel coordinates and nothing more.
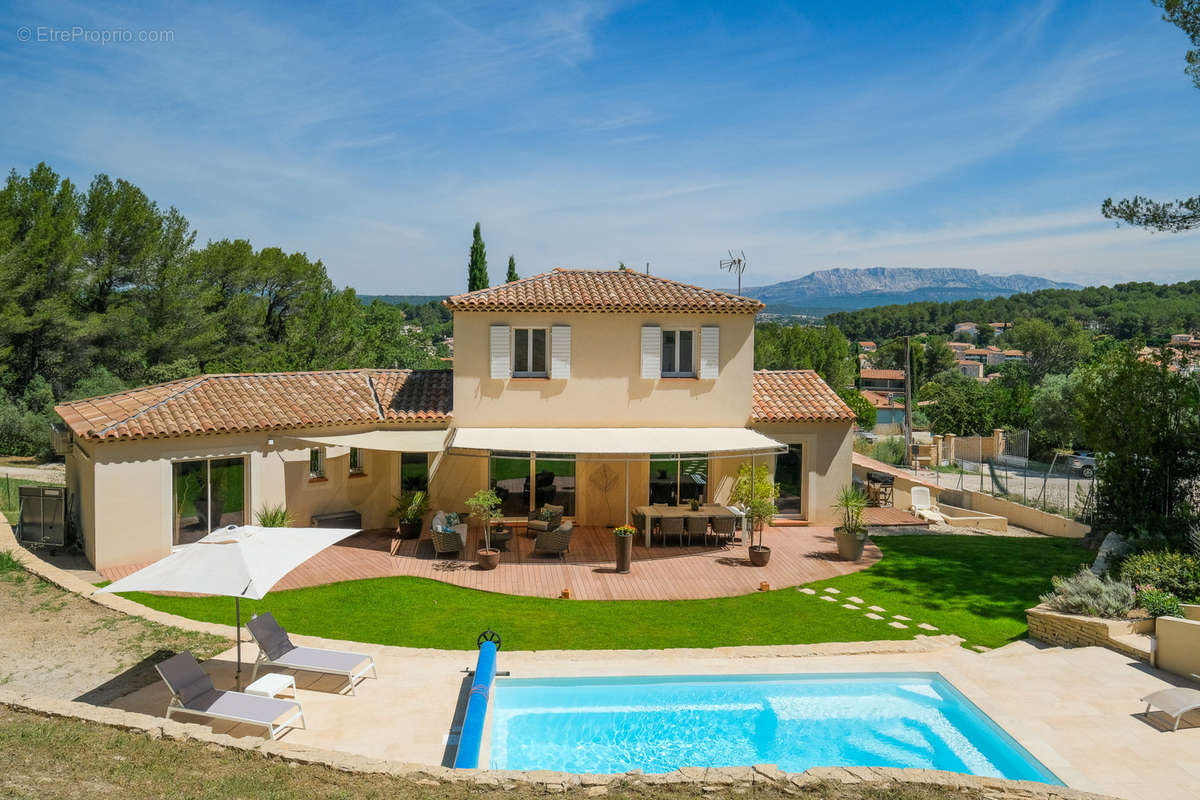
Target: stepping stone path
(830, 599)
(901, 618)
(877, 609)
(807, 590)
(872, 616)
(897, 624)
(854, 603)
(831, 590)
(926, 626)
(851, 606)
(858, 600)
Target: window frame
(677, 350)
(357, 465)
(531, 373)
(316, 463)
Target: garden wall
(1022, 516)
(1177, 643)
(1073, 630)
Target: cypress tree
(512, 271)
(477, 274)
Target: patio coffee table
(272, 685)
(501, 537)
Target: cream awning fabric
(614, 441)
(427, 441)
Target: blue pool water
(658, 724)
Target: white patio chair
(923, 506)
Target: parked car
(1084, 463)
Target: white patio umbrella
(234, 562)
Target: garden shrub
(889, 451)
(1158, 603)
(1176, 573)
(1084, 593)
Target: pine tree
(512, 271)
(477, 274)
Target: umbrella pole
(237, 676)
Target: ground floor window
(316, 462)
(678, 478)
(414, 472)
(207, 494)
(527, 481)
(356, 461)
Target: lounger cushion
(317, 660)
(271, 637)
(264, 710)
(184, 676)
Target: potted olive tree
(485, 508)
(755, 492)
(852, 533)
(409, 513)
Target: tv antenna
(735, 265)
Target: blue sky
(823, 135)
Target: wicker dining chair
(723, 528)
(697, 526)
(671, 526)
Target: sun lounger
(923, 507)
(1174, 702)
(192, 692)
(275, 649)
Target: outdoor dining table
(708, 510)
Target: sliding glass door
(207, 494)
(789, 474)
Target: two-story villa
(598, 390)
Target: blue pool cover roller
(471, 737)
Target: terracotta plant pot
(759, 555)
(849, 545)
(408, 530)
(489, 559)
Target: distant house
(867, 347)
(1183, 340)
(972, 369)
(983, 355)
(966, 329)
(999, 327)
(882, 380)
(1014, 355)
(889, 411)
(959, 347)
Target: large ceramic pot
(624, 551)
(849, 545)
(408, 530)
(489, 559)
(759, 555)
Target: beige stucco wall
(605, 388)
(80, 482)
(827, 453)
(1177, 646)
(124, 491)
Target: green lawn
(974, 586)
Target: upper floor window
(356, 461)
(678, 351)
(529, 353)
(316, 462)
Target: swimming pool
(661, 723)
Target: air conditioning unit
(60, 439)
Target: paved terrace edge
(595, 785)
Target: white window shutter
(710, 352)
(499, 347)
(651, 352)
(560, 352)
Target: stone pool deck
(1077, 710)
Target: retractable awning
(417, 441)
(614, 441)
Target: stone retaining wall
(595, 785)
(1073, 630)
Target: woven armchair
(536, 523)
(557, 541)
(446, 541)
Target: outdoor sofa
(275, 649)
(192, 692)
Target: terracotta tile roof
(797, 395)
(262, 402)
(883, 374)
(882, 400)
(601, 290)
